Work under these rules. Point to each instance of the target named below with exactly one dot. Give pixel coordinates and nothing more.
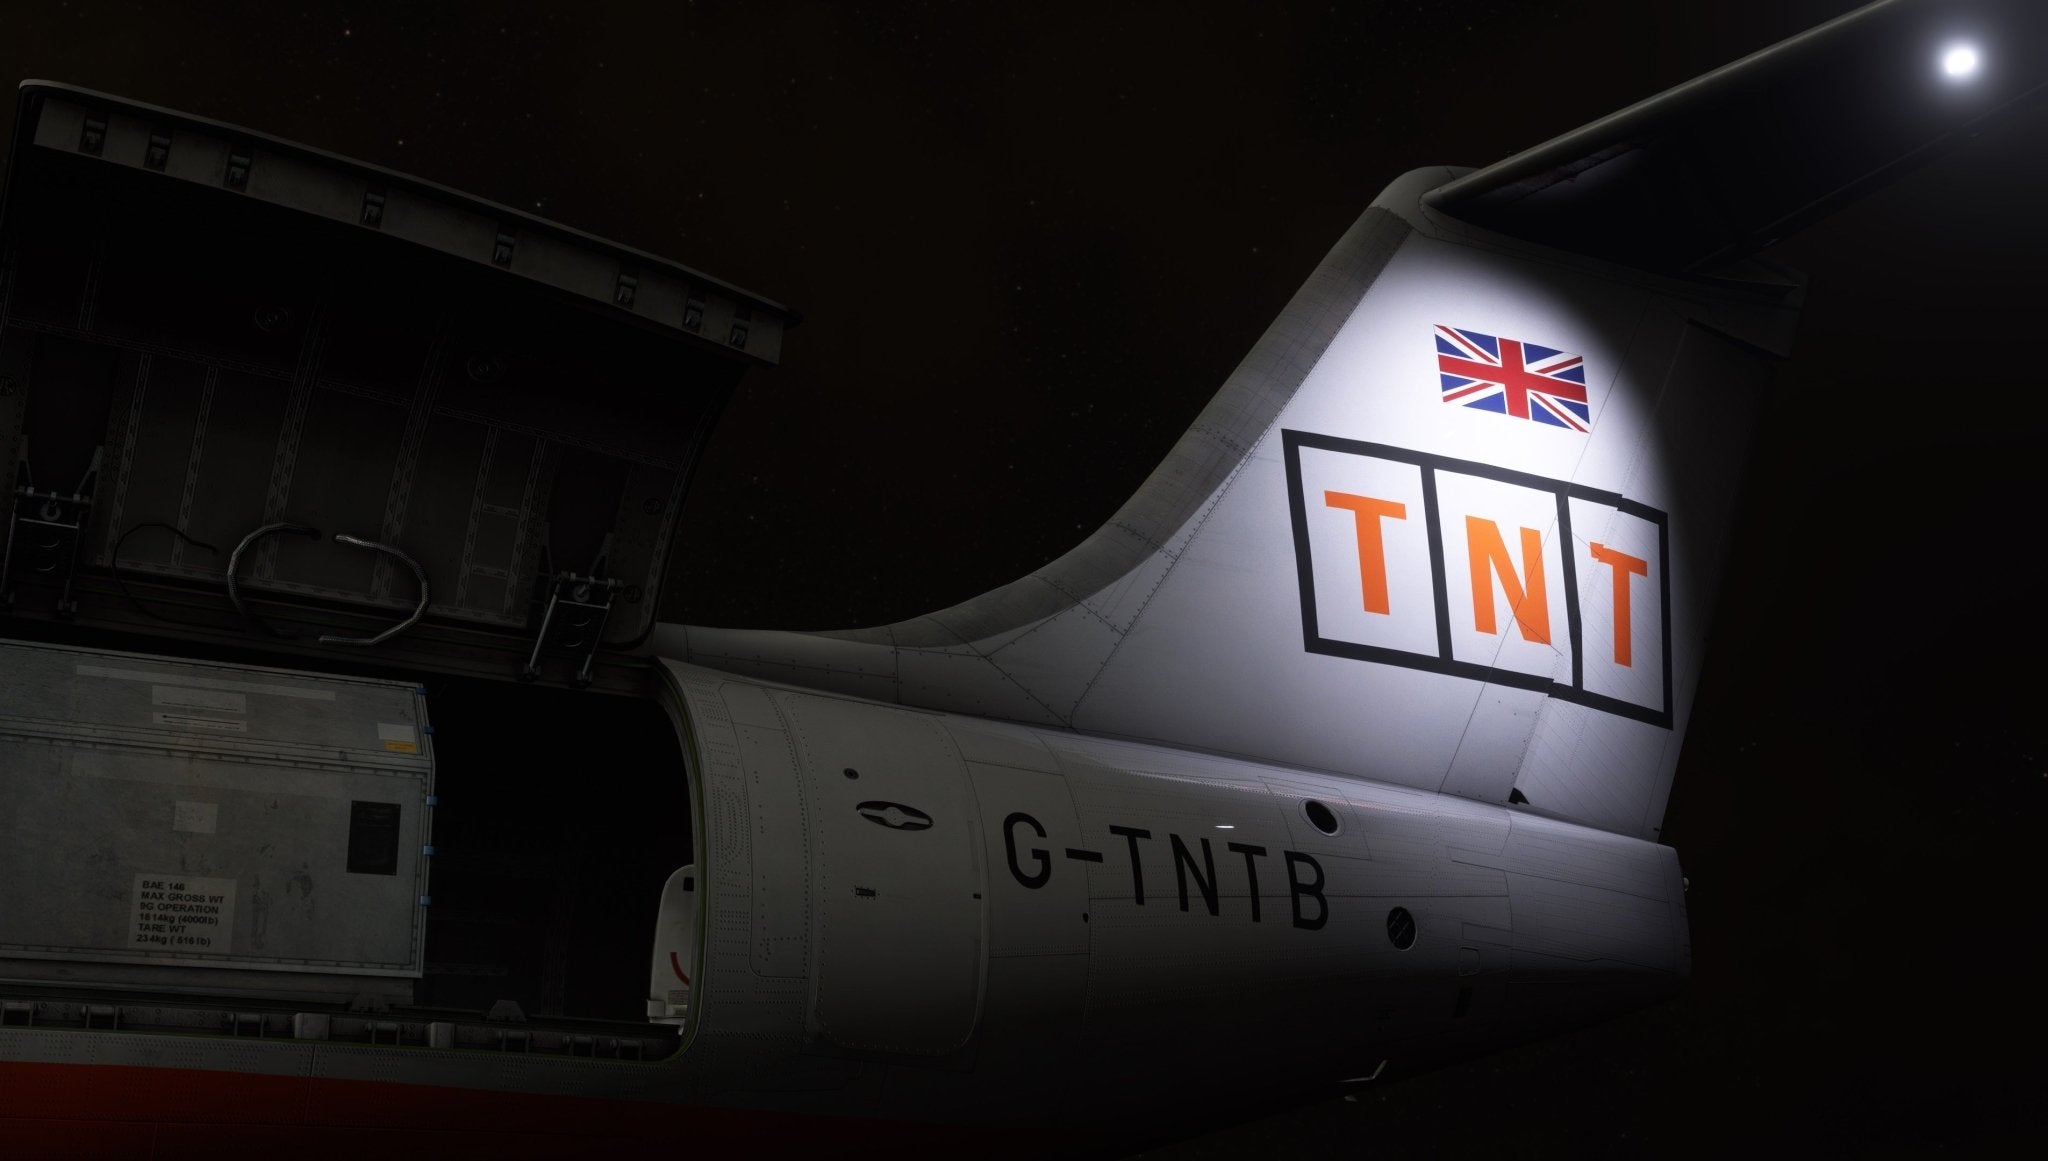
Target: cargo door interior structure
(335, 503)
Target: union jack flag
(1515, 378)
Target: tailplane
(1458, 519)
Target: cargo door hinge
(43, 533)
(573, 620)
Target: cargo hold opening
(561, 816)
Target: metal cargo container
(212, 827)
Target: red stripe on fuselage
(126, 1111)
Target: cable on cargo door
(418, 611)
(122, 585)
(234, 565)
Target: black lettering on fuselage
(1314, 890)
(1184, 865)
(1306, 882)
(1036, 879)
(1132, 835)
(1251, 870)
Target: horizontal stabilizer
(1724, 165)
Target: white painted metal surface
(674, 961)
(1470, 639)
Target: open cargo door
(254, 394)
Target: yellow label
(402, 747)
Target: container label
(180, 913)
(193, 697)
(191, 723)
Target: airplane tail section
(1453, 524)
(1458, 519)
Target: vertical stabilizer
(1454, 524)
(1457, 520)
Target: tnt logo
(1464, 568)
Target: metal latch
(44, 531)
(578, 606)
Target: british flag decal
(1523, 380)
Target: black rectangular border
(373, 834)
(1314, 642)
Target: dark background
(1029, 241)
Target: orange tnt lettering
(1623, 565)
(1490, 558)
(1372, 551)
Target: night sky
(1028, 243)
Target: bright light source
(1959, 61)
(1226, 826)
